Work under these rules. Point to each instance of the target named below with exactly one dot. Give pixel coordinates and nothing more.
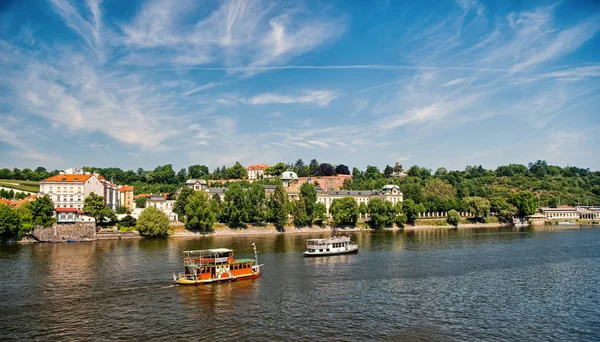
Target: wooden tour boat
(216, 265)
(333, 246)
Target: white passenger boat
(332, 246)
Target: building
(289, 179)
(571, 213)
(398, 171)
(126, 196)
(110, 193)
(71, 215)
(390, 193)
(326, 182)
(164, 205)
(257, 171)
(196, 184)
(70, 190)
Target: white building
(196, 184)
(571, 213)
(390, 193)
(159, 202)
(257, 171)
(70, 190)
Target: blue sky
(434, 83)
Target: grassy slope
(31, 186)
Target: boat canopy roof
(209, 251)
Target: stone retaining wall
(80, 231)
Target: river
(450, 285)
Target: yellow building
(126, 196)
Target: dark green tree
(344, 211)
(182, 201)
(10, 223)
(127, 221)
(387, 172)
(199, 214)
(381, 213)
(233, 209)
(279, 207)
(42, 211)
(342, 170)
(478, 206)
(256, 203)
(140, 202)
(453, 218)
(320, 213)
(525, 202)
(93, 206)
(412, 210)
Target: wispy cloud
(318, 97)
(201, 88)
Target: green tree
(381, 213)
(525, 203)
(313, 167)
(182, 201)
(276, 170)
(93, 206)
(42, 211)
(122, 210)
(256, 203)
(478, 206)
(438, 188)
(362, 209)
(233, 209)
(127, 221)
(344, 211)
(553, 202)
(237, 171)
(140, 202)
(199, 213)
(387, 172)
(453, 217)
(505, 211)
(412, 210)
(320, 213)
(10, 223)
(301, 218)
(197, 171)
(279, 207)
(308, 195)
(153, 222)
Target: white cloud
(318, 97)
(201, 88)
(453, 82)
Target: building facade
(390, 193)
(126, 196)
(571, 213)
(70, 190)
(196, 184)
(162, 204)
(257, 171)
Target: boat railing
(200, 261)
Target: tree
(9, 223)
(122, 210)
(440, 172)
(93, 206)
(478, 206)
(325, 169)
(381, 213)
(320, 213)
(128, 221)
(199, 214)
(233, 210)
(344, 211)
(256, 203)
(438, 188)
(313, 168)
(362, 209)
(525, 203)
(153, 222)
(301, 218)
(237, 171)
(276, 170)
(504, 210)
(308, 195)
(553, 202)
(42, 211)
(182, 201)
(412, 210)
(181, 176)
(197, 171)
(278, 207)
(372, 172)
(140, 202)
(453, 217)
(387, 172)
(342, 170)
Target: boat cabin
(325, 245)
(215, 264)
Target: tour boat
(216, 265)
(332, 246)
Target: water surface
(467, 284)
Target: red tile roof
(257, 167)
(126, 188)
(68, 178)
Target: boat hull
(184, 281)
(331, 253)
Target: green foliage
(42, 211)
(453, 217)
(233, 209)
(10, 223)
(256, 203)
(344, 211)
(400, 219)
(197, 171)
(301, 218)
(237, 171)
(320, 213)
(478, 206)
(362, 209)
(153, 222)
(199, 212)
(140, 202)
(182, 201)
(525, 202)
(553, 202)
(504, 210)
(308, 195)
(412, 210)
(278, 207)
(276, 170)
(381, 213)
(127, 221)
(123, 210)
(93, 206)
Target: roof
(390, 186)
(289, 175)
(69, 210)
(155, 197)
(204, 251)
(352, 193)
(195, 180)
(68, 178)
(126, 188)
(257, 167)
